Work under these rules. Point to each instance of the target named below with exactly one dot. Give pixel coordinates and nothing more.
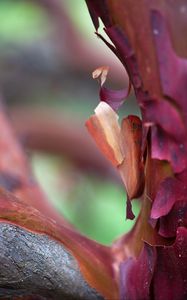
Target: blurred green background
(47, 53)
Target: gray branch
(35, 264)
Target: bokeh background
(48, 51)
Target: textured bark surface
(34, 264)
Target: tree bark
(45, 130)
(35, 265)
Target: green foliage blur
(95, 205)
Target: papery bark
(46, 131)
(24, 204)
(153, 51)
(150, 261)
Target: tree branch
(35, 265)
(46, 130)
